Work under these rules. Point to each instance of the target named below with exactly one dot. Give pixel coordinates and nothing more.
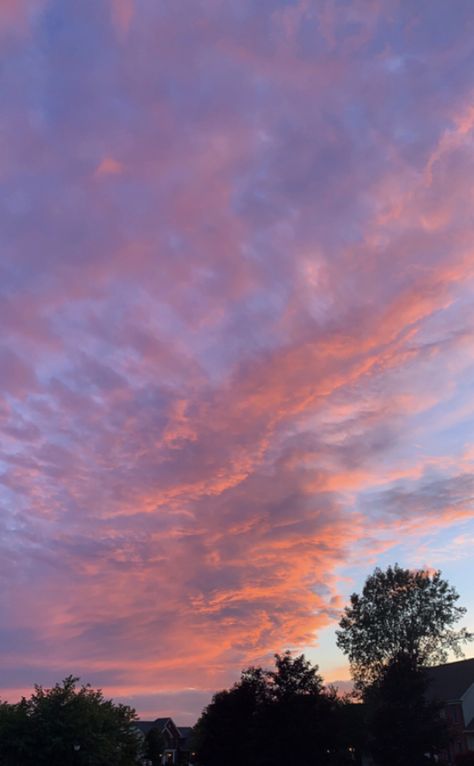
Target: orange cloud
(123, 12)
(107, 167)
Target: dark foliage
(282, 716)
(405, 725)
(225, 731)
(400, 612)
(154, 747)
(67, 726)
(465, 759)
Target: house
(186, 745)
(453, 685)
(173, 741)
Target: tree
(16, 741)
(294, 677)
(225, 731)
(154, 747)
(271, 718)
(296, 726)
(400, 612)
(67, 726)
(405, 725)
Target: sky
(237, 330)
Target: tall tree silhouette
(400, 612)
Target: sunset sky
(237, 314)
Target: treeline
(287, 717)
(401, 623)
(281, 716)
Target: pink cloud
(122, 15)
(14, 15)
(108, 166)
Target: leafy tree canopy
(400, 612)
(273, 717)
(154, 746)
(405, 725)
(293, 677)
(67, 726)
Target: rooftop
(449, 682)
